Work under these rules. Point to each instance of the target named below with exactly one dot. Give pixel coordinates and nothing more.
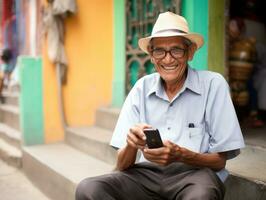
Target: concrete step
(239, 188)
(10, 135)
(10, 154)
(57, 168)
(14, 185)
(92, 140)
(107, 117)
(251, 163)
(11, 98)
(248, 174)
(9, 115)
(13, 88)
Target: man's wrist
(189, 157)
(131, 149)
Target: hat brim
(193, 37)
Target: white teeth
(169, 68)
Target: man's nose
(168, 58)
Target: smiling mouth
(168, 68)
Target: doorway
(247, 64)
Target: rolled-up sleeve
(221, 119)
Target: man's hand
(135, 140)
(136, 137)
(171, 152)
(165, 155)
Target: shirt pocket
(192, 138)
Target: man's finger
(143, 126)
(157, 151)
(132, 137)
(136, 140)
(130, 143)
(137, 132)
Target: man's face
(170, 56)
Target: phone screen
(153, 138)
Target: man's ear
(149, 50)
(191, 51)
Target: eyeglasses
(160, 53)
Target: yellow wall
(89, 48)
(52, 126)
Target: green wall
(31, 100)
(216, 48)
(119, 76)
(196, 13)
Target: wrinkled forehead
(170, 41)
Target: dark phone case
(153, 138)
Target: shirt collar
(157, 87)
(192, 83)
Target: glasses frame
(170, 52)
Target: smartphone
(153, 138)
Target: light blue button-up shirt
(204, 100)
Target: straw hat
(170, 24)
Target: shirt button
(169, 128)
(171, 105)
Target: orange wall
(89, 47)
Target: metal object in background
(140, 17)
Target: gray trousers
(147, 181)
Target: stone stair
(10, 136)
(247, 178)
(93, 141)
(57, 168)
(84, 153)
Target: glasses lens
(158, 53)
(177, 52)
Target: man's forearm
(215, 161)
(126, 157)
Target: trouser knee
(197, 192)
(86, 188)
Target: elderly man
(194, 114)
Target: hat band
(167, 30)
